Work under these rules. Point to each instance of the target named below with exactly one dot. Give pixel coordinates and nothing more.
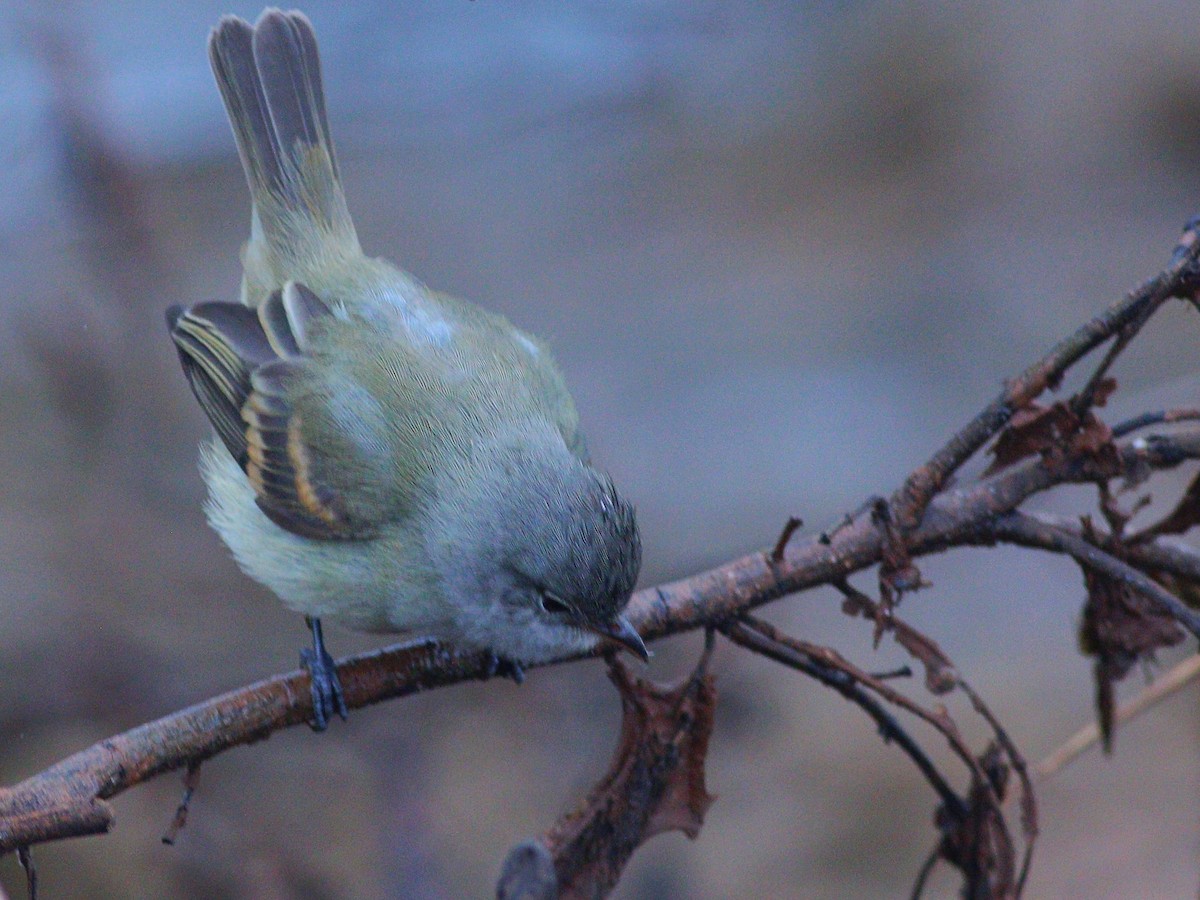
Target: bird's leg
(327, 694)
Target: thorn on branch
(901, 672)
(25, 858)
(191, 778)
(789, 529)
(826, 537)
(1116, 517)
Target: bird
(385, 456)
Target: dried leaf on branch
(1120, 626)
(1058, 432)
(654, 784)
(975, 840)
(1185, 514)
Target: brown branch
(1019, 528)
(1028, 800)
(941, 676)
(68, 799)
(1178, 280)
(975, 836)
(828, 667)
(790, 527)
(191, 777)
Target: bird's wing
(252, 373)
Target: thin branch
(957, 816)
(1177, 280)
(1083, 401)
(1160, 556)
(69, 798)
(1175, 680)
(1029, 816)
(940, 677)
(764, 640)
(1161, 417)
(1019, 528)
(924, 872)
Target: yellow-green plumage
(386, 456)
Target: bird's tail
(269, 74)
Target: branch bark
(69, 798)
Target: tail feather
(269, 75)
(231, 53)
(285, 51)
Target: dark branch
(68, 799)
(1178, 280)
(1019, 528)
(764, 640)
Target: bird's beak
(620, 631)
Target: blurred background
(781, 249)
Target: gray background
(782, 250)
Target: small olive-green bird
(386, 457)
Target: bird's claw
(500, 667)
(327, 696)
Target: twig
(1023, 529)
(1083, 401)
(1164, 686)
(923, 873)
(191, 777)
(1177, 280)
(764, 640)
(789, 529)
(1171, 558)
(958, 817)
(891, 674)
(1029, 816)
(1161, 417)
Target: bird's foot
(327, 696)
(500, 667)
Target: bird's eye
(553, 604)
